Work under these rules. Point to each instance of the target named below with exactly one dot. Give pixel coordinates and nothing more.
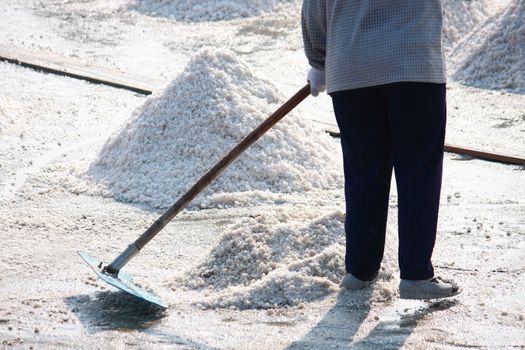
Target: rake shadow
(114, 311)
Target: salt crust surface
(276, 260)
(179, 134)
(460, 16)
(493, 56)
(4, 121)
(466, 324)
(212, 10)
(279, 259)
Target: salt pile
(179, 134)
(494, 55)
(211, 10)
(461, 16)
(276, 260)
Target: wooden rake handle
(205, 180)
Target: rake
(112, 273)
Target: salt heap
(494, 55)
(212, 10)
(179, 134)
(279, 259)
(461, 16)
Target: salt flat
(50, 124)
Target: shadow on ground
(114, 310)
(338, 328)
(340, 324)
(120, 311)
(392, 333)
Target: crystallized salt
(462, 16)
(459, 17)
(211, 10)
(494, 55)
(179, 134)
(278, 259)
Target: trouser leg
(366, 145)
(417, 114)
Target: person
(381, 61)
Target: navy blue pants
(399, 126)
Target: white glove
(317, 81)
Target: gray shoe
(432, 288)
(354, 283)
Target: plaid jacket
(360, 43)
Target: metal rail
(65, 66)
(490, 156)
(98, 76)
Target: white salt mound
(494, 55)
(460, 17)
(211, 10)
(278, 260)
(180, 133)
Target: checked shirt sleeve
(313, 23)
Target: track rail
(53, 64)
(48, 62)
(494, 157)
(490, 156)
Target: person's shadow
(392, 333)
(340, 324)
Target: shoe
(354, 283)
(432, 288)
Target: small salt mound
(179, 134)
(461, 16)
(276, 260)
(211, 10)
(494, 56)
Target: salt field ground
(254, 262)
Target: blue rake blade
(121, 281)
